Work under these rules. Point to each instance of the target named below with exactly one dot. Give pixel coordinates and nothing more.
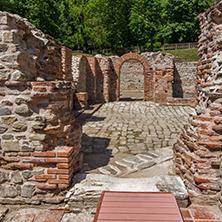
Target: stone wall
(132, 78)
(184, 80)
(198, 151)
(39, 140)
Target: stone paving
(133, 127)
(138, 162)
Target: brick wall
(198, 151)
(39, 139)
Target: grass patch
(185, 55)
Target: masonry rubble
(39, 139)
(198, 150)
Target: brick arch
(148, 74)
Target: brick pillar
(198, 151)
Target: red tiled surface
(199, 214)
(137, 206)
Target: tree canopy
(94, 24)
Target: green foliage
(144, 20)
(179, 20)
(5, 5)
(97, 24)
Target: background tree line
(96, 24)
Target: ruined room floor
(122, 140)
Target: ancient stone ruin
(41, 84)
(198, 150)
(151, 75)
(40, 141)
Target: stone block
(3, 129)
(23, 110)
(18, 76)
(27, 190)
(8, 191)
(16, 177)
(11, 145)
(7, 102)
(27, 174)
(4, 176)
(9, 119)
(27, 149)
(19, 127)
(4, 111)
(3, 47)
(22, 100)
(9, 36)
(9, 58)
(7, 137)
(4, 75)
(37, 137)
(3, 19)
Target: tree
(144, 21)
(179, 20)
(113, 18)
(5, 5)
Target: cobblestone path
(133, 127)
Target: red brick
(58, 181)
(49, 216)
(24, 154)
(65, 152)
(63, 186)
(47, 186)
(33, 160)
(200, 179)
(43, 176)
(57, 171)
(62, 165)
(203, 213)
(11, 159)
(26, 217)
(44, 154)
(21, 166)
(57, 160)
(66, 177)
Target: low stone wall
(39, 140)
(198, 151)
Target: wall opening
(132, 80)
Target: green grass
(185, 55)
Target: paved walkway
(133, 127)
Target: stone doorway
(132, 81)
(148, 74)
